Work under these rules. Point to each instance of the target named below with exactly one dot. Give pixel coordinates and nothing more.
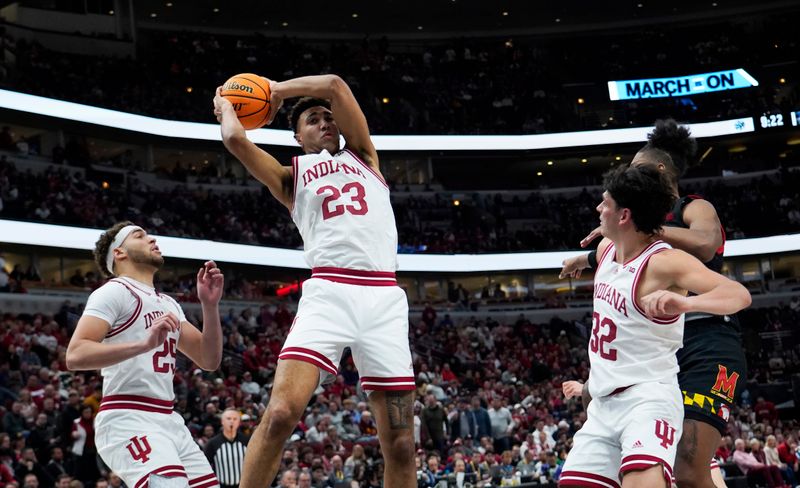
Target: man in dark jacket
(433, 420)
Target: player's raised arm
(258, 162)
(346, 111)
(205, 348)
(704, 235)
(715, 294)
(86, 351)
(574, 266)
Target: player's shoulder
(667, 259)
(698, 206)
(113, 286)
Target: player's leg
(646, 478)
(394, 415)
(695, 450)
(711, 366)
(382, 356)
(312, 351)
(295, 382)
(138, 447)
(194, 461)
(653, 420)
(716, 477)
(594, 459)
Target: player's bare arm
(205, 348)
(704, 235)
(348, 115)
(264, 167)
(86, 351)
(573, 267)
(671, 273)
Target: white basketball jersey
(342, 210)
(130, 307)
(626, 347)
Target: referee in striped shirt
(225, 451)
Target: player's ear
(298, 138)
(625, 216)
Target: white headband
(118, 240)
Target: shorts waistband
(355, 276)
(136, 402)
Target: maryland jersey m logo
(725, 386)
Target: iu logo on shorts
(665, 432)
(140, 449)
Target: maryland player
(636, 415)
(132, 333)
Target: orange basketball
(249, 95)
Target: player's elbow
(73, 359)
(744, 296)
(336, 84)
(211, 362)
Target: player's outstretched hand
(161, 327)
(275, 100)
(663, 303)
(592, 236)
(210, 283)
(572, 389)
(220, 103)
(572, 268)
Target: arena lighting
(210, 132)
(33, 234)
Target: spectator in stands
(4, 278)
(754, 470)
(433, 420)
(773, 459)
(502, 425)
(765, 411)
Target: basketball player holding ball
(340, 204)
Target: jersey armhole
(368, 167)
(636, 278)
(113, 331)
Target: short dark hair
(102, 245)
(675, 140)
(645, 191)
(301, 106)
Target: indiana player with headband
(340, 204)
(712, 359)
(635, 417)
(132, 333)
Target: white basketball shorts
(346, 308)
(635, 429)
(136, 444)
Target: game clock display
(768, 120)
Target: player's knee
(400, 449)
(281, 418)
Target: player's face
(316, 130)
(640, 159)
(142, 249)
(609, 215)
